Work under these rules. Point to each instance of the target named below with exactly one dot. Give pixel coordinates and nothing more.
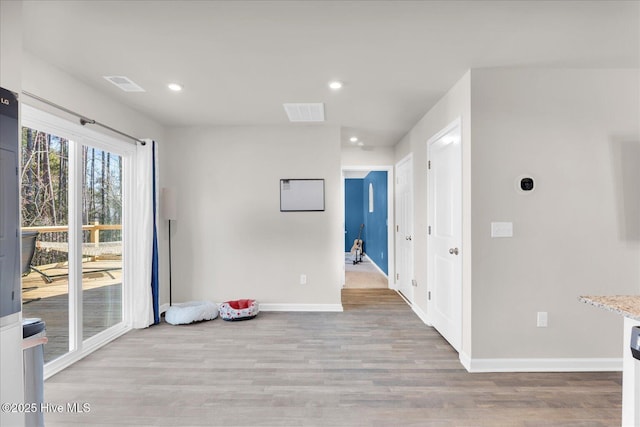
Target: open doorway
(367, 196)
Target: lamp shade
(169, 203)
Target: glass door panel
(102, 240)
(45, 235)
(73, 187)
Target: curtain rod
(83, 120)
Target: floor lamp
(170, 208)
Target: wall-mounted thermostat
(525, 184)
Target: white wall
(11, 45)
(367, 156)
(230, 240)
(578, 233)
(455, 104)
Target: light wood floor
(375, 364)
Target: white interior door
(444, 258)
(404, 227)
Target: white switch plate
(543, 319)
(501, 229)
(303, 279)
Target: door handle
(454, 251)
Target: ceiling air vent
(124, 83)
(305, 112)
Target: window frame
(79, 136)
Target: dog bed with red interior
(242, 309)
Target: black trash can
(33, 358)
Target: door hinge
(429, 295)
(429, 164)
(397, 276)
(16, 171)
(397, 228)
(429, 230)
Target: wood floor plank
(375, 364)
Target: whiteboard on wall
(301, 195)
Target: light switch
(501, 229)
(543, 319)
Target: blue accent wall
(375, 223)
(354, 213)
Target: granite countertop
(625, 305)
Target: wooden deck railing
(94, 229)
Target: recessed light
(335, 85)
(175, 87)
(360, 144)
(353, 139)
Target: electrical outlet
(543, 319)
(303, 279)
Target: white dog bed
(192, 311)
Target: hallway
(363, 275)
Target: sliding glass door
(74, 215)
(45, 235)
(102, 240)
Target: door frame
(454, 125)
(391, 266)
(40, 119)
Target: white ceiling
(239, 61)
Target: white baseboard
(301, 307)
(403, 297)
(541, 365)
(465, 360)
(532, 365)
(286, 307)
(376, 266)
(421, 314)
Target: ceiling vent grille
(124, 83)
(305, 112)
